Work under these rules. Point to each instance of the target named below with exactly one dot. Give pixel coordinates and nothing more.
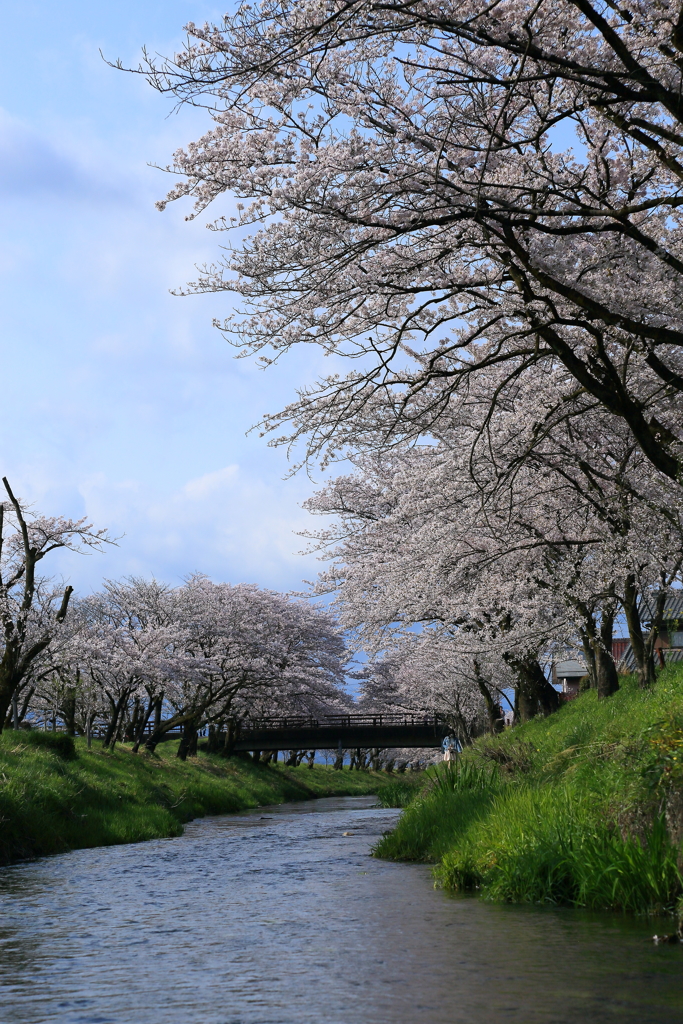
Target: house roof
(628, 661)
(570, 669)
(673, 607)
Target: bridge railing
(337, 721)
(250, 726)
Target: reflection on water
(276, 917)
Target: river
(278, 917)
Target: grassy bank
(51, 802)
(583, 808)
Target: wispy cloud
(32, 166)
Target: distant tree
(29, 625)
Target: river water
(278, 917)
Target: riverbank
(582, 808)
(52, 801)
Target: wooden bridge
(341, 731)
(334, 732)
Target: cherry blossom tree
(436, 189)
(125, 647)
(427, 673)
(246, 651)
(510, 540)
(30, 616)
(141, 659)
(480, 204)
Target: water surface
(277, 917)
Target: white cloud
(120, 401)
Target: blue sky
(120, 401)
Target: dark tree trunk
(608, 679)
(188, 741)
(26, 703)
(213, 739)
(158, 734)
(113, 727)
(589, 656)
(69, 712)
(10, 679)
(496, 721)
(132, 723)
(643, 653)
(231, 737)
(534, 694)
(142, 723)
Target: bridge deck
(346, 731)
(324, 737)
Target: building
(567, 671)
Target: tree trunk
(188, 741)
(589, 655)
(496, 721)
(608, 680)
(11, 718)
(231, 736)
(159, 732)
(535, 695)
(213, 741)
(143, 720)
(157, 712)
(643, 653)
(131, 728)
(113, 727)
(10, 678)
(69, 711)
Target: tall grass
(548, 845)
(453, 796)
(569, 809)
(397, 793)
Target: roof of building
(573, 668)
(673, 607)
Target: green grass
(52, 800)
(399, 792)
(582, 808)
